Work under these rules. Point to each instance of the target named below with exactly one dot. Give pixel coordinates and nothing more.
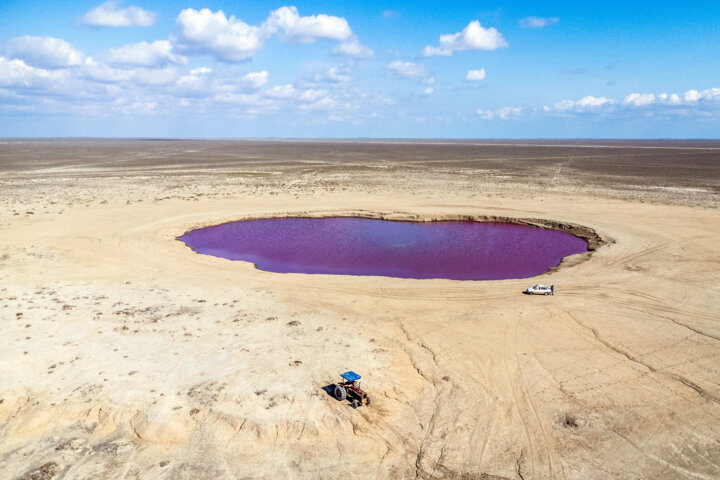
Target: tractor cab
(350, 387)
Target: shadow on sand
(329, 389)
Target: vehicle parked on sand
(351, 388)
(541, 289)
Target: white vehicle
(541, 289)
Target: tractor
(350, 387)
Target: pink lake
(457, 250)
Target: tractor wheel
(340, 392)
(354, 403)
(367, 401)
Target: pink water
(457, 250)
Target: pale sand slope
(126, 355)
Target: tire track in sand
(516, 405)
(533, 408)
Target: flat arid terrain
(126, 355)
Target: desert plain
(125, 355)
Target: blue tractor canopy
(350, 376)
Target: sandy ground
(127, 356)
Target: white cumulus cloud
(584, 104)
(409, 70)
(692, 96)
(200, 71)
(472, 37)
(18, 74)
(507, 112)
(639, 99)
(475, 75)
(281, 91)
(280, 97)
(689, 98)
(142, 108)
(711, 94)
(145, 54)
(255, 79)
(503, 113)
(232, 40)
(109, 14)
(101, 72)
(44, 52)
(337, 74)
(212, 33)
(692, 101)
(202, 82)
(198, 83)
(536, 22)
(353, 48)
(312, 96)
(98, 89)
(672, 99)
(296, 29)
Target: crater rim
(592, 238)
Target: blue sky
(360, 69)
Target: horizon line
(360, 138)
